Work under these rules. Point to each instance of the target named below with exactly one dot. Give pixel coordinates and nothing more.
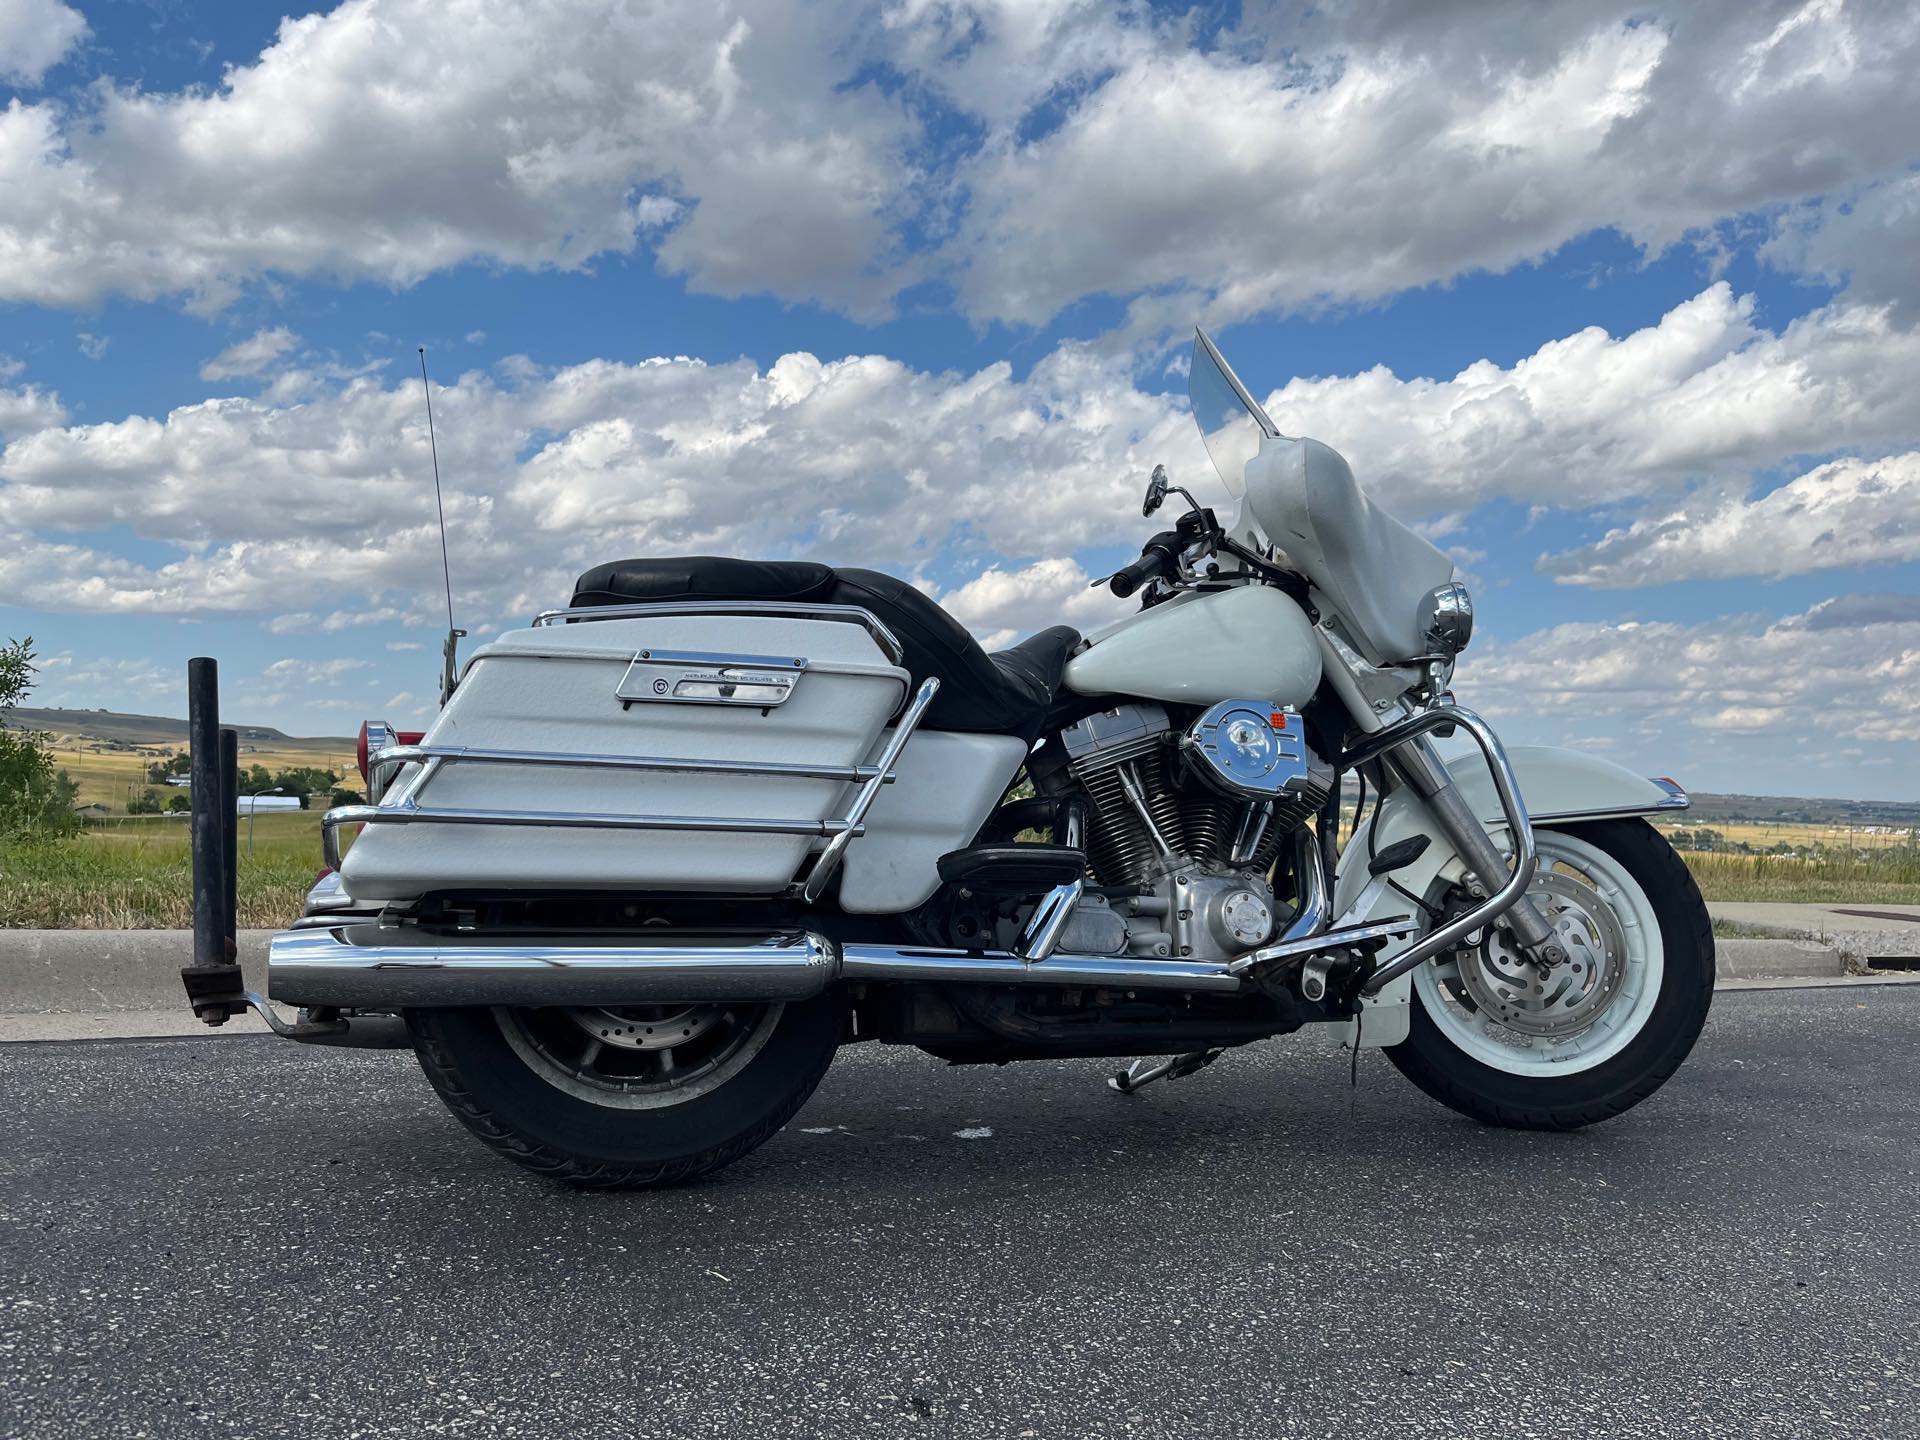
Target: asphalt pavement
(240, 1237)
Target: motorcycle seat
(1005, 693)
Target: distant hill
(112, 725)
(1709, 809)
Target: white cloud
(28, 408)
(1593, 419)
(1797, 677)
(1000, 605)
(319, 508)
(810, 152)
(1870, 240)
(294, 508)
(299, 669)
(1349, 152)
(35, 35)
(1849, 512)
(251, 355)
(94, 682)
(92, 346)
(379, 141)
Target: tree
(34, 797)
(178, 803)
(147, 802)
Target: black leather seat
(1007, 693)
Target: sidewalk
(1863, 933)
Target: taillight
(375, 736)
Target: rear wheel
(627, 1097)
(1496, 1038)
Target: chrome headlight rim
(1446, 618)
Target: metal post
(213, 979)
(229, 833)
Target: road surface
(241, 1237)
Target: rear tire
(497, 1077)
(1666, 920)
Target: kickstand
(1145, 1072)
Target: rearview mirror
(1156, 491)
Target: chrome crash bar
(1372, 746)
(403, 806)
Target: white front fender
(1557, 787)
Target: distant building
(179, 780)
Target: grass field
(133, 873)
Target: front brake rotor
(1507, 986)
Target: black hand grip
(1157, 558)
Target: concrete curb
(1775, 959)
(102, 971)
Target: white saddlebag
(605, 688)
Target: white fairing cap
(1376, 572)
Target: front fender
(1557, 787)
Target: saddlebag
(725, 692)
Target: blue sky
(1617, 302)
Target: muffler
(367, 968)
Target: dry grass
(108, 777)
(1892, 878)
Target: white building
(264, 804)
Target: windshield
(1231, 421)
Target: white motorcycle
(665, 850)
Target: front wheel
(627, 1098)
(1494, 1037)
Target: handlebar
(1159, 557)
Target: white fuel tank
(1251, 641)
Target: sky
(1619, 303)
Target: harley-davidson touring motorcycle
(664, 851)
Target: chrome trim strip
(408, 814)
(1109, 972)
(851, 614)
(770, 769)
(325, 967)
(853, 823)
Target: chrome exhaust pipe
(367, 968)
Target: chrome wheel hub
(638, 1057)
(658, 1027)
(1508, 987)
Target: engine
(1184, 823)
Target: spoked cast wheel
(1497, 1038)
(627, 1097)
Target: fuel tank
(1206, 646)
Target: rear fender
(1558, 786)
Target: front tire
(1496, 1041)
(596, 1098)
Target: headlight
(1446, 618)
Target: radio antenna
(449, 674)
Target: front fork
(1418, 763)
